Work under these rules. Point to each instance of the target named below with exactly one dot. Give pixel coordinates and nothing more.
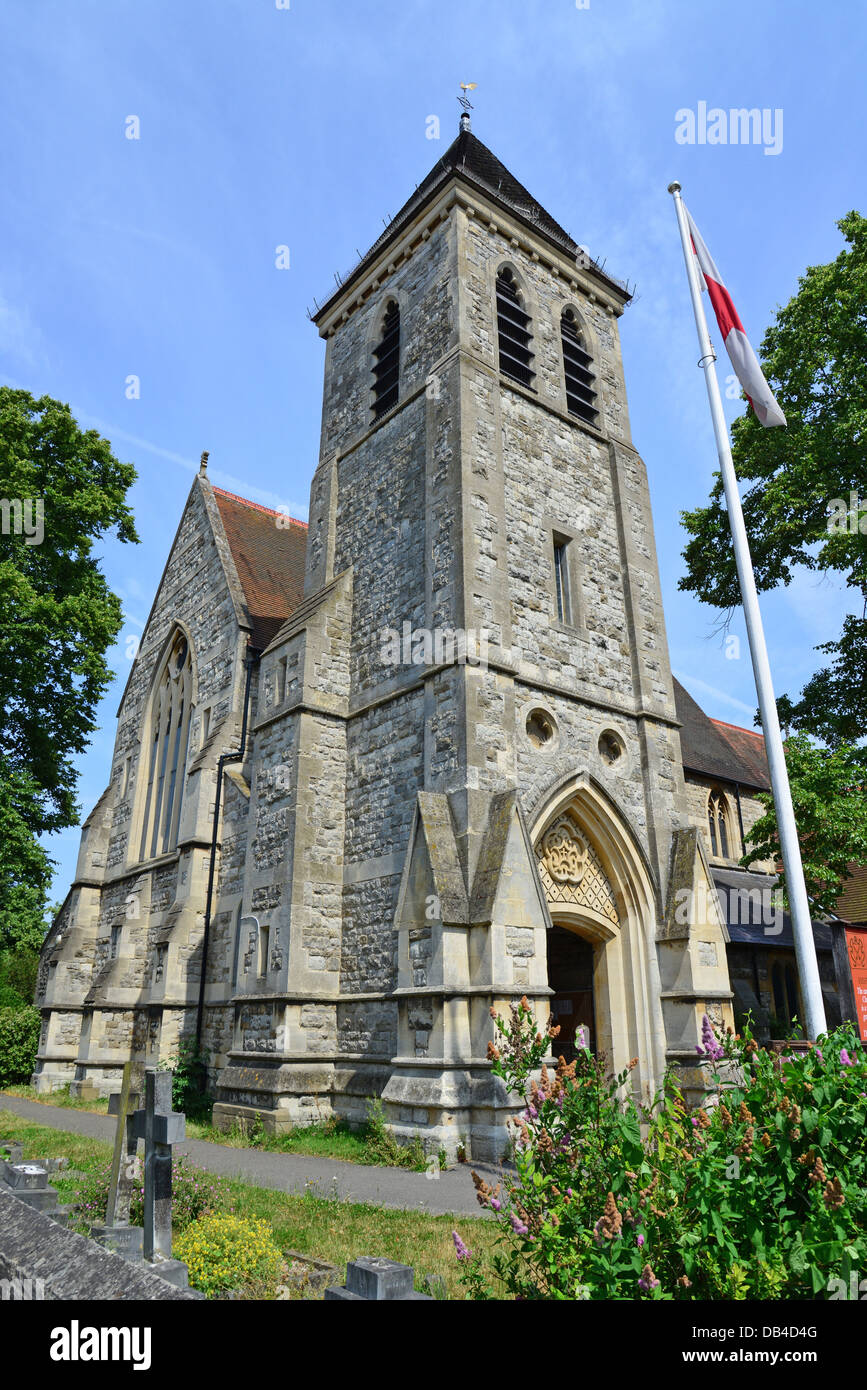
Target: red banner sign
(856, 945)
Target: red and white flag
(738, 347)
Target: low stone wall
(33, 1247)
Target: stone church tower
(344, 822)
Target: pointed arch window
(718, 825)
(580, 380)
(514, 330)
(171, 710)
(386, 362)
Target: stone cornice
(477, 203)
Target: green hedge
(19, 1040)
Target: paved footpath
(452, 1191)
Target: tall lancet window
(718, 824)
(169, 739)
(514, 331)
(386, 362)
(580, 389)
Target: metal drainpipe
(251, 661)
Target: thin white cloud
(693, 682)
(241, 486)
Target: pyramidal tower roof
(468, 159)
(472, 160)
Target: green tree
(25, 868)
(831, 814)
(814, 356)
(63, 491)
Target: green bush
(381, 1146)
(763, 1194)
(224, 1252)
(19, 1041)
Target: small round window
(610, 747)
(541, 728)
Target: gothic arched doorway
(602, 951)
(570, 976)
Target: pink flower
(639, 1241)
(462, 1251)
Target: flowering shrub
(194, 1193)
(763, 1194)
(225, 1252)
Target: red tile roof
(269, 549)
(749, 745)
(719, 750)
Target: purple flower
(639, 1241)
(647, 1282)
(462, 1251)
(518, 1226)
(495, 1204)
(710, 1047)
(846, 1060)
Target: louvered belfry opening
(580, 395)
(513, 328)
(386, 364)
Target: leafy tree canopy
(25, 868)
(63, 491)
(814, 356)
(828, 795)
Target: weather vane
(464, 100)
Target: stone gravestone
(117, 1234)
(160, 1127)
(372, 1278)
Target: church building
(423, 755)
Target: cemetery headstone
(117, 1234)
(372, 1278)
(29, 1183)
(160, 1127)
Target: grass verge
(314, 1224)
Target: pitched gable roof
(269, 550)
(715, 749)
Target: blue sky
(306, 126)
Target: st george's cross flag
(737, 344)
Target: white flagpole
(805, 946)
